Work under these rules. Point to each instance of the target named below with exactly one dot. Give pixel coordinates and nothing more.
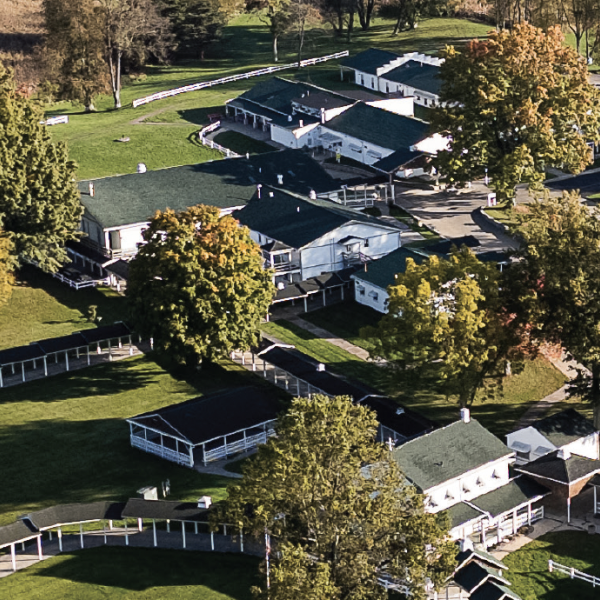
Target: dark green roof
(378, 126)
(474, 574)
(448, 452)
(298, 221)
(518, 491)
(493, 591)
(483, 557)
(382, 272)
(127, 199)
(462, 513)
(552, 466)
(565, 427)
(369, 60)
(396, 160)
(416, 75)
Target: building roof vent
(290, 118)
(465, 415)
(281, 285)
(279, 179)
(312, 195)
(399, 411)
(204, 502)
(320, 367)
(141, 168)
(92, 190)
(271, 195)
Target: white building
(464, 469)
(567, 430)
(411, 74)
(303, 238)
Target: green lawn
(63, 439)
(538, 379)
(135, 574)
(242, 144)
(528, 567)
(401, 215)
(41, 307)
(246, 45)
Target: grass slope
(42, 307)
(528, 567)
(538, 379)
(246, 45)
(135, 574)
(64, 439)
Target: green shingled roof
(564, 427)
(378, 126)
(519, 491)
(382, 272)
(462, 513)
(129, 199)
(369, 60)
(298, 221)
(448, 452)
(416, 75)
(474, 574)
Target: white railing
(246, 443)
(573, 573)
(56, 120)
(256, 73)
(79, 285)
(209, 129)
(166, 453)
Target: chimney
(92, 190)
(271, 194)
(301, 123)
(312, 195)
(280, 179)
(141, 168)
(465, 415)
(258, 187)
(322, 116)
(204, 502)
(248, 155)
(148, 493)
(563, 454)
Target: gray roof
(127, 199)
(465, 556)
(69, 513)
(494, 591)
(138, 508)
(397, 159)
(551, 466)
(382, 272)
(380, 127)
(462, 513)
(15, 532)
(515, 493)
(298, 221)
(369, 60)
(416, 75)
(448, 452)
(474, 574)
(565, 427)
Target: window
(367, 243)
(387, 88)
(373, 82)
(479, 482)
(425, 100)
(375, 296)
(362, 80)
(495, 475)
(361, 290)
(281, 259)
(448, 496)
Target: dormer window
(495, 475)
(466, 490)
(448, 496)
(479, 482)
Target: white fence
(256, 73)
(209, 129)
(166, 453)
(56, 120)
(573, 573)
(79, 285)
(247, 443)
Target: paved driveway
(455, 215)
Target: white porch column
(253, 362)
(514, 521)
(81, 534)
(196, 527)
(241, 541)
(23, 370)
(183, 534)
(60, 544)
(529, 512)
(67, 360)
(109, 351)
(104, 532)
(1, 380)
(305, 305)
(168, 526)
(126, 534)
(140, 525)
(13, 557)
(595, 500)
(45, 367)
(212, 540)
(88, 355)
(154, 532)
(568, 510)
(39, 547)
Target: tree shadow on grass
(140, 569)
(56, 461)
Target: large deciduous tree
(449, 311)
(340, 510)
(75, 50)
(515, 104)
(133, 30)
(39, 201)
(198, 286)
(7, 264)
(558, 281)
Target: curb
(493, 222)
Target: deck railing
(230, 448)
(205, 142)
(256, 73)
(158, 450)
(573, 573)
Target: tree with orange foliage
(515, 104)
(198, 285)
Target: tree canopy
(39, 201)
(197, 285)
(451, 311)
(7, 264)
(515, 104)
(340, 510)
(557, 282)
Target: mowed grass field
(135, 574)
(499, 414)
(246, 45)
(528, 567)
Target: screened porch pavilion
(207, 429)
